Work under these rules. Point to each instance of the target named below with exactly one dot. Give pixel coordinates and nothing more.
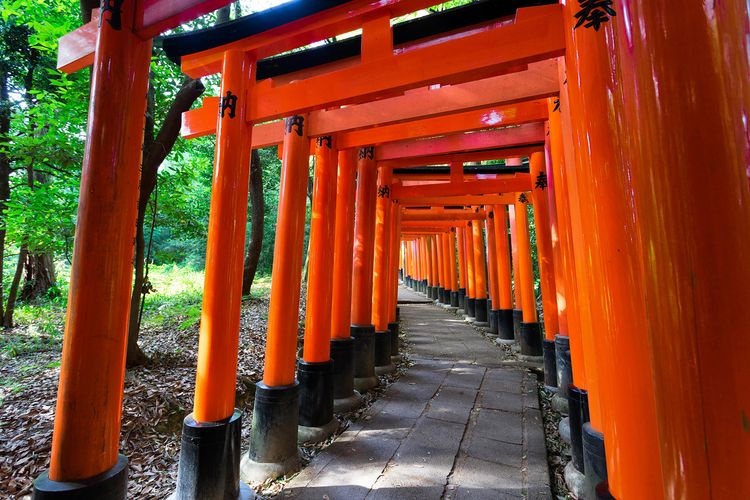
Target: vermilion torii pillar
(529, 335)
(452, 267)
(517, 297)
(492, 261)
(546, 266)
(273, 440)
(470, 275)
(315, 369)
(86, 437)
(215, 424)
(460, 232)
(381, 273)
(342, 344)
(362, 329)
(480, 275)
(393, 311)
(504, 307)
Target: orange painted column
(694, 233)
(381, 268)
(525, 269)
(492, 274)
(517, 298)
(462, 278)
(611, 256)
(364, 238)
(362, 328)
(502, 252)
(555, 229)
(503, 308)
(276, 410)
(439, 267)
(281, 343)
(222, 287)
(341, 307)
(342, 344)
(544, 244)
(480, 274)
(471, 288)
(435, 265)
(395, 247)
(316, 347)
(86, 435)
(565, 204)
(529, 334)
(452, 267)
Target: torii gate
(273, 444)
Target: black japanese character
(594, 13)
(384, 192)
(367, 153)
(296, 121)
(541, 181)
(523, 198)
(228, 102)
(324, 139)
(557, 105)
(114, 7)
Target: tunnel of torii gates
(632, 116)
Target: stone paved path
(457, 425)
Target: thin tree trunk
(13, 292)
(257, 215)
(155, 150)
(4, 172)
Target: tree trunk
(257, 222)
(155, 150)
(39, 276)
(4, 171)
(13, 292)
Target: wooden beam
(310, 29)
(472, 156)
(538, 81)
(454, 201)
(515, 183)
(535, 35)
(532, 133)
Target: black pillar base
(210, 459)
(383, 363)
(517, 320)
(111, 484)
(462, 298)
(454, 299)
(273, 435)
(595, 462)
(505, 324)
(315, 393)
(471, 307)
(398, 314)
(441, 295)
(493, 321)
(425, 287)
(345, 398)
(602, 491)
(393, 328)
(578, 408)
(564, 367)
(481, 312)
(446, 297)
(550, 364)
(530, 338)
(364, 357)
